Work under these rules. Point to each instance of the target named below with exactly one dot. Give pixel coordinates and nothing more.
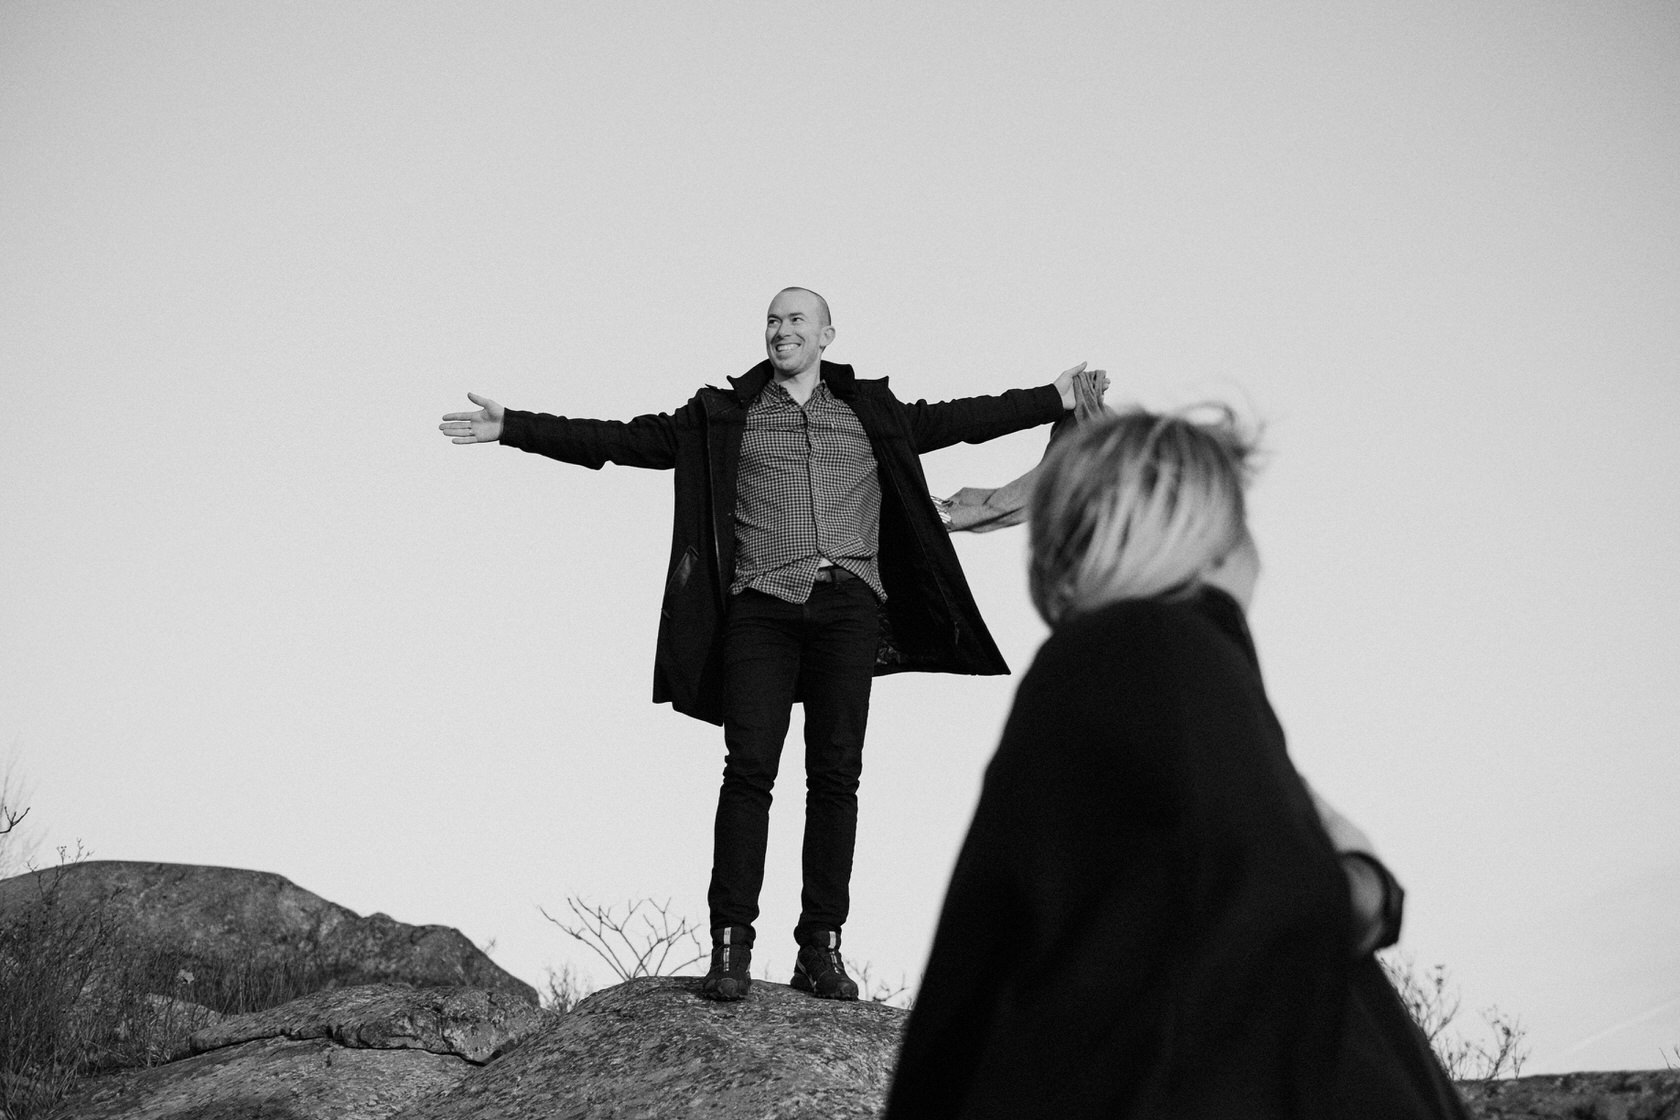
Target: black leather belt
(835, 574)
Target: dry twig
(630, 951)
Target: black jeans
(823, 651)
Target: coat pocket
(675, 583)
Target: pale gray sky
(258, 612)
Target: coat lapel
(750, 384)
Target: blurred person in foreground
(1152, 914)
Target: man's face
(795, 332)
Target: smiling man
(806, 559)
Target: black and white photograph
(1091, 558)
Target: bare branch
(881, 991)
(630, 952)
(1507, 1054)
(1434, 1007)
(563, 990)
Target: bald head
(822, 304)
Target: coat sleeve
(978, 419)
(645, 441)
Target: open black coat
(1147, 918)
(931, 622)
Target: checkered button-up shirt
(808, 491)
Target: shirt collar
(840, 379)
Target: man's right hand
(483, 426)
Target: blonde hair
(1136, 505)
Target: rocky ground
(441, 1033)
(358, 1053)
(650, 1048)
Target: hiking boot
(821, 972)
(729, 977)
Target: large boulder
(654, 1047)
(223, 914)
(359, 1053)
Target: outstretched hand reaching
(483, 426)
(1079, 381)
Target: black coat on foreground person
(1147, 918)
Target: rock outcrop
(457, 1038)
(360, 1053)
(1638, 1095)
(469, 1022)
(647, 1048)
(654, 1047)
(272, 1079)
(650, 1048)
(226, 914)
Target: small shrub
(880, 991)
(234, 986)
(628, 949)
(563, 989)
(79, 995)
(1434, 1006)
(15, 849)
(51, 956)
(632, 951)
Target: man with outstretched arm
(806, 558)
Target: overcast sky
(258, 612)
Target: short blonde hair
(1137, 505)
